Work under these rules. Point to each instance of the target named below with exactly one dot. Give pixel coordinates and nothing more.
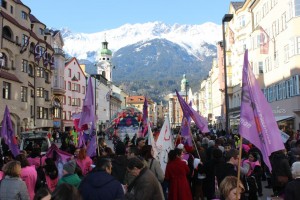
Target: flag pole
(239, 168)
(179, 134)
(195, 145)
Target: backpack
(41, 178)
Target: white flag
(164, 144)
(151, 141)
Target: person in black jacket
(292, 189)
(281, 171)
(99, 184)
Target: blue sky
(92, 16)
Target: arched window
(32, 47)
(7, 33)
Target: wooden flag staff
(239, 169)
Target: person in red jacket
(176, 174)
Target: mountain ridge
(150, 58)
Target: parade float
(126, 121)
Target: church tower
(184, 84)
(104, 65)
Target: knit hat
(69, 167)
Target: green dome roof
(106, 52)
(184, 80)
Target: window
(267, 64)
(297, 8)
(45, 113)
(69, 85)
(32, 93)
(298, 45)
(11, 9)
(78, 75)
(3, 62)
(283, 21)
(31, 111)
(24, 15)
(261, 67)
(69, 101)
(46, 95)
(55, 81)
(40, 72)
(74, 102)
(291, 89)
(30, 70)
(6, 90)
(296, 85)
(3, 4)
(284, 96)
(286, 53)
(75, 87)
(287, 88)
(24, 66)
(64, 115)
(69, 72)
(47, 77)
(83, 89)
(41, 31)
(25, 40)
(24, 94)
(57, 112)
(69, 115)
(40, 92)
(242, 22)
(64, 100)
(40, 112)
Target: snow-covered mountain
(190, 37)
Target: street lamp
(226, 18)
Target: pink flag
(88, 109)
(264, 41)
(257, 122)
(62, 155)
(188, 111)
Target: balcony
(58, 91)
(59, 51)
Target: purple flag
(62, 155)
(7, 133)
(88, 109)
(188, 111)
(186, 130)
(92, 143)
(81, 140)
(145, 117)
(257, 122)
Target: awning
(236, 116)
(283, 118)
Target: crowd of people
(130, 170)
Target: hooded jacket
(100, 185)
